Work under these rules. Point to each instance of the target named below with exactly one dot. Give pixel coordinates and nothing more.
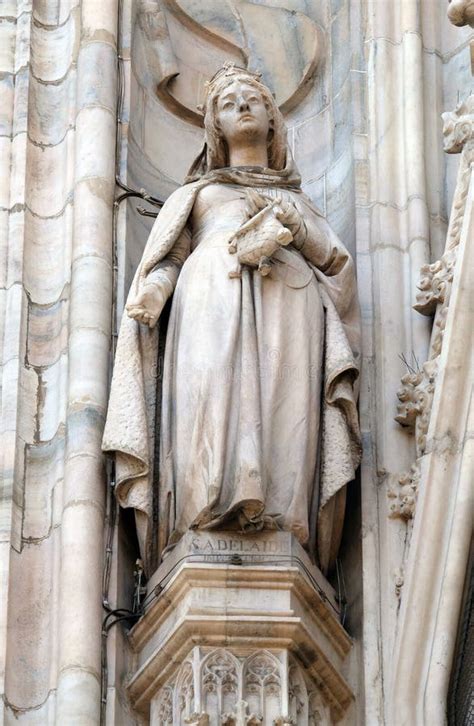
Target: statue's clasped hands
(147, 306)
(271, 224)
(285, 211)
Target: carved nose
(243, 105)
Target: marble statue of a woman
(254, 411)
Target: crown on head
(228, 70)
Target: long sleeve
(165, 273)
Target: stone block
(340, 48)
(47, 259)
(15, 257)
(342, 119)
(6, 109)
(4, 218)
(53, 109)
(50, 177)
(78, 697)
(52, 399)
(46, 12)
(23, 35)
(54, 12)
(316, 191)
(99, 22)
(95, 87)
(38, 716)
(31, 627)
(14, 340)
(47, 333)
(7, 46)
(85, 426)
(54, 49)
(89, 370)
(452, 38)
(93, 227)
(183, 141)
(313, 143)
(336, 5)
(340, 201)
(43, 487)
(5, 162)
(359, 101)
(95, 127)
(92, 281)
(20, 387)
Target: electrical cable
(227, 559)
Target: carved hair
(215, 153)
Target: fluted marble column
(89, 343)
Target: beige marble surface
(387, 72)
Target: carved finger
(255, 202)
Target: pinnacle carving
(458, 128)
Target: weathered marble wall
(367, 139)
(58, 140)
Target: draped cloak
(133, 413)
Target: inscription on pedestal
(238, 545)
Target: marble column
(89, 345)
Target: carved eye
(227, 105)
(253, 99)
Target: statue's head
(240, 109)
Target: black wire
(226, 559)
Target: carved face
(242, 116)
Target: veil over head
(214, 153)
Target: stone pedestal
(239, 630)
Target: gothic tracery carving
(220, 681)
(418, 387)
(240, 690)
(185, 691)
(165, 706)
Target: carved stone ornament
(238, 690)
(201, 719)
(434, 283)
(241, 716)
(461, 12)
(458, 128)
(418, 387)
(404, 497)
(416, 396)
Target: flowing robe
(258, 420)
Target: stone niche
(239, 630)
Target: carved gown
(241, 383)
(258, 422)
